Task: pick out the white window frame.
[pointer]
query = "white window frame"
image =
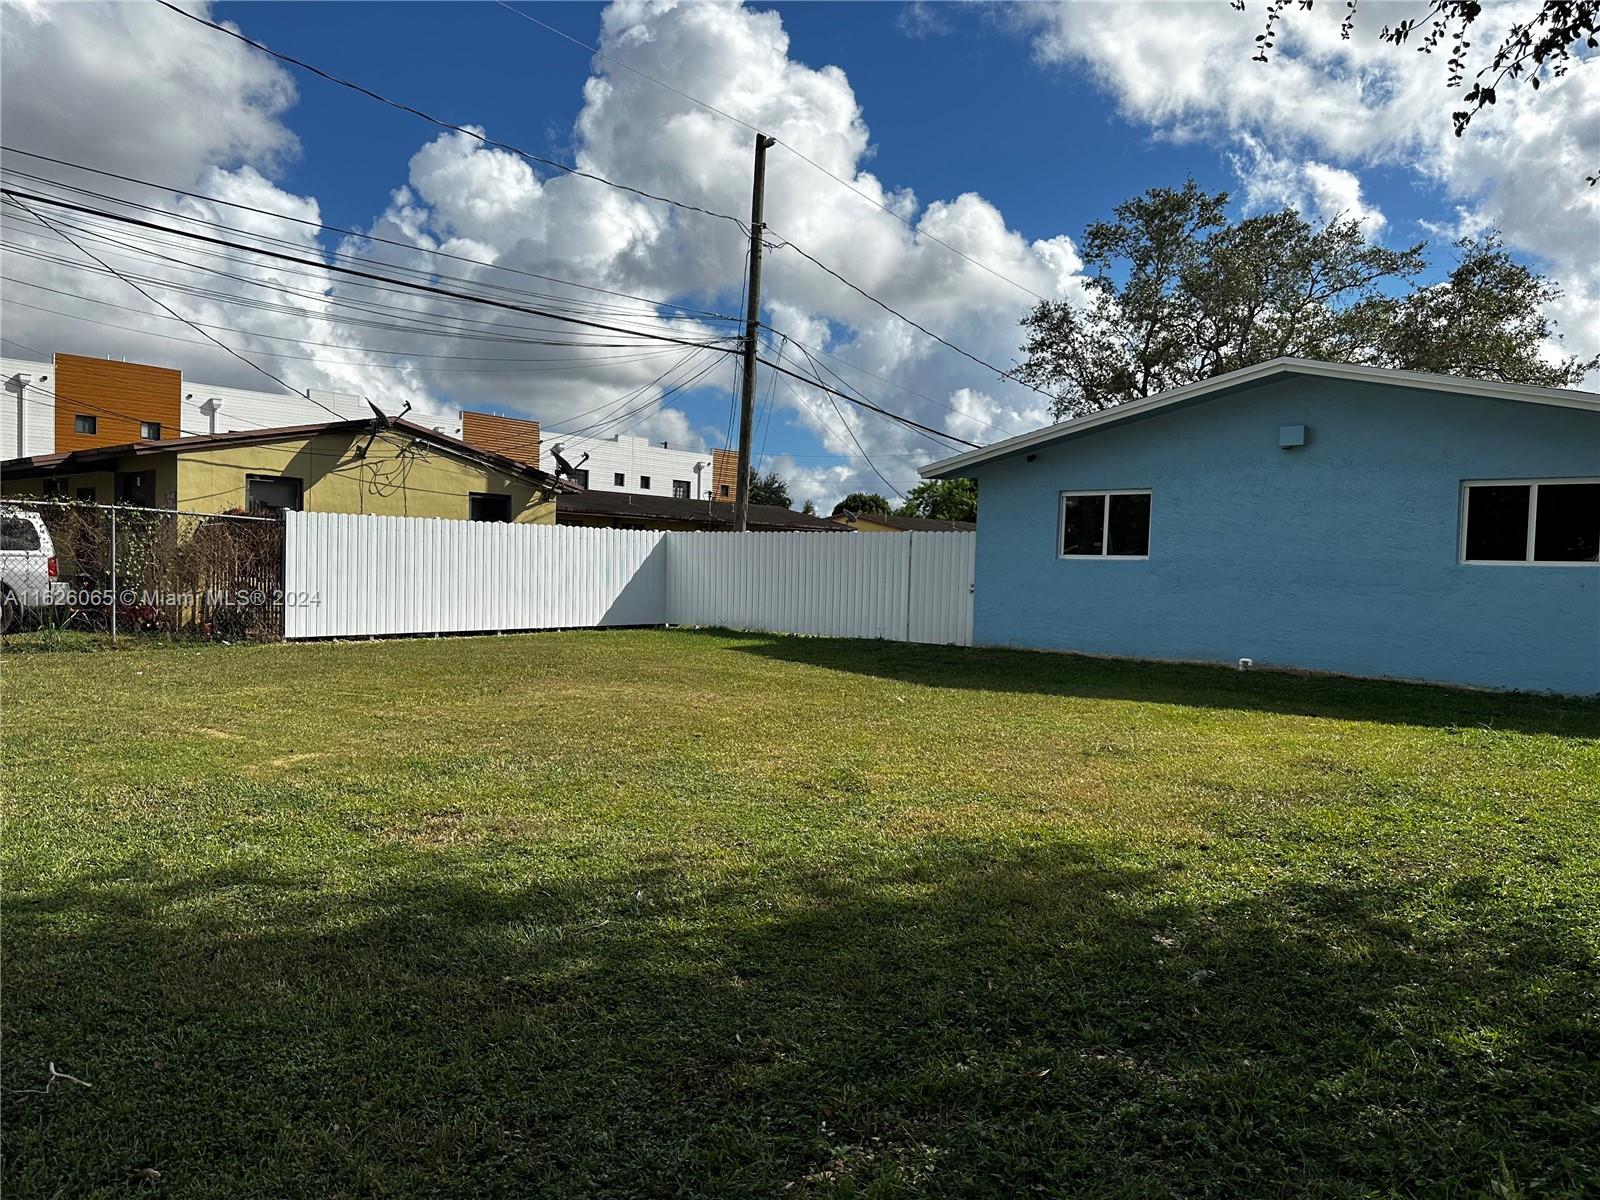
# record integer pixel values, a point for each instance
(1105, 525)
(1533, 521)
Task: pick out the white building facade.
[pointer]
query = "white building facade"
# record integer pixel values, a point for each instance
(630, 464)
(28, 410)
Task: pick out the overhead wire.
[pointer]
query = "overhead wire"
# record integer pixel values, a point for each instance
(344, 270)
(443, 124)
(811, 162)
(12, 196)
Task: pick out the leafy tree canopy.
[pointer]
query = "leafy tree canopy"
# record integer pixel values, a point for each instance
(942, 500)
(770, 488)
(1180, 293)
(860, 502)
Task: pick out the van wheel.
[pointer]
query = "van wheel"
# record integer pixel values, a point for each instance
(10, 609)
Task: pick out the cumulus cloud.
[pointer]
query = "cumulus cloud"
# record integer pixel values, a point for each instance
(459, 196)
(132, 88)
(1325, 109)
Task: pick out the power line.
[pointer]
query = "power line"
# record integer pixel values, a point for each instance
(343, 270)
(368, 307)
(711, 108)
(615, 360)
(13, 197)
(867, 404)
(474, 331)
(338, 229)
(443, 124)
(127, 246)
(852, 434)
(859, 290)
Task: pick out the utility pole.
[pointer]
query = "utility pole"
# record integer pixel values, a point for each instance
(752, 324)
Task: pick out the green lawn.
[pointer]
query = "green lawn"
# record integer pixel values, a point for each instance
(678, 914)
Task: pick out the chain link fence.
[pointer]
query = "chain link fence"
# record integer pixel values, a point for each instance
(128, 571)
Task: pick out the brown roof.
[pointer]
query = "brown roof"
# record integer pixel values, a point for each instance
(909, 524)
(707, 514)
(50, 464)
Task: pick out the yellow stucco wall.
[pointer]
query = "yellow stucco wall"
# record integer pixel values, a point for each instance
(865, 524)
(397, 478)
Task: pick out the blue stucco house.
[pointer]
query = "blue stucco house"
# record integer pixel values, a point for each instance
(1305, 515)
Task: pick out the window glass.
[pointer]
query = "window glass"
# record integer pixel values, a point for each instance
(150, 430)
(680, 489)
(272, 493)
(1497, 522)
(487, 506)
(86, 494)
(17, 534)
(618, 479)
(84, 423)
(723, 489)
(55, 488)
(644, 482)
(1567, 523)
(1129, 526)
(581, 477)
(1083, 523)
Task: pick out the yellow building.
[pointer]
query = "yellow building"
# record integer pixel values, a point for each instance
(393, 468)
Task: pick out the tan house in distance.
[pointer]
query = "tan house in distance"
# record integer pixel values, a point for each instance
(388, 468)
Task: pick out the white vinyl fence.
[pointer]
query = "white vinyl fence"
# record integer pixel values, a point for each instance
(353, 576)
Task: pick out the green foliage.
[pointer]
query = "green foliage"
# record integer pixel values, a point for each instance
(1180, 293)
(863, 502)
(770, 488)
(942, 500)
(525, 917)
(809, 508)
(1487, 321)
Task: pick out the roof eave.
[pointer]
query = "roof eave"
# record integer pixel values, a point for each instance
(1260, 372)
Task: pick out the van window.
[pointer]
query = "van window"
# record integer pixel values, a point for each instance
(18, 534)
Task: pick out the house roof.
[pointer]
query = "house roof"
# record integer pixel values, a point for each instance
(1261, 373)
(909, 524)
(53, 464)
(709, 514)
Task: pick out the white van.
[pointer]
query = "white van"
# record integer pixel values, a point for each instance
(28, 569)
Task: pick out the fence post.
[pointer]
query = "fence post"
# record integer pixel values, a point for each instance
(113, 572)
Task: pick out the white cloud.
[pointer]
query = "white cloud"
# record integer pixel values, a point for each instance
(1320, 192)
(1324, 109)
(460, 196)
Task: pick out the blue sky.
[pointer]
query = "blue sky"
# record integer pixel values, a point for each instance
(1042, 142)
(1050, 114)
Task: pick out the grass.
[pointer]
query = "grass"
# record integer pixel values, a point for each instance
(676, 914)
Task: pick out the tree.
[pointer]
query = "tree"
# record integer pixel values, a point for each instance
(860, 502)
(809, 508)
(942, 500)
(1180, 293)
(1486, 321)
(770, 488)
(1538, 49)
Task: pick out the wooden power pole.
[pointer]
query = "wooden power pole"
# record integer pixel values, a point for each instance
(752, 325)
